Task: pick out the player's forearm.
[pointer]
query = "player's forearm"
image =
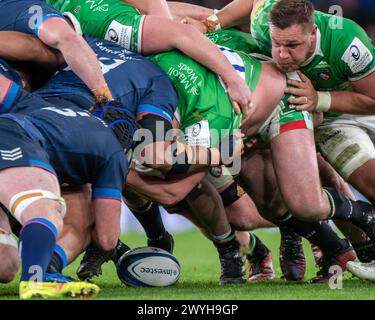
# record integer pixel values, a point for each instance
(166, 192)
(153, 7)
(179, 157)
(235, 13)
(16, 46)
(181, 9)
(352, 103)
(73, 49)
(201, 49)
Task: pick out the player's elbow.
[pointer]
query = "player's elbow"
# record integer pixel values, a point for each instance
(64, 39)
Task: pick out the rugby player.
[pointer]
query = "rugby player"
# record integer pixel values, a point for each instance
(215, 111)
(47, 142)
(146, 34)
(45, 22)
(341, 78)
(147, 97)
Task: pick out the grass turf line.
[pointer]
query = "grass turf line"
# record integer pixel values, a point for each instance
(200, 272)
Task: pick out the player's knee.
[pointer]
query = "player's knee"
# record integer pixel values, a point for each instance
(107, 241)
(10, 263)
(307, 208)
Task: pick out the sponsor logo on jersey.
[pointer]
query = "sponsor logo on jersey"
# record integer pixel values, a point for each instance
(216, 172)
(196, 129)
(76, 10)
(112, 35)
(357, 56)
(327, 137)
(97, 5)
(325, 74)
(119, 33)
(11, 155)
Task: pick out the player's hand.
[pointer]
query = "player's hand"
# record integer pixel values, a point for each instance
(196, 23)
(306, 97)
(240, 96)
(102, 94)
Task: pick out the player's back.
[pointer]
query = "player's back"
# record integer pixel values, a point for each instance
(128, 75)
(77, 143)
(200, 92)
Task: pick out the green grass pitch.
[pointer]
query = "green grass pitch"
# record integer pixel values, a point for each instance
(200, 274)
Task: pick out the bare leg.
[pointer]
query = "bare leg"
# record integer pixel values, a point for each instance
(9, 258)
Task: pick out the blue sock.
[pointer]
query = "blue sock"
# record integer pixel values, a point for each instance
(59, 260)
(37, 242)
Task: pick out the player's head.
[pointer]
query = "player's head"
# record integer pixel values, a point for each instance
(293, 33)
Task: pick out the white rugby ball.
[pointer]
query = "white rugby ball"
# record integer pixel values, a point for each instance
(148, 267)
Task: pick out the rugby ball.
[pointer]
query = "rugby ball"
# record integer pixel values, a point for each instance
(148, 267)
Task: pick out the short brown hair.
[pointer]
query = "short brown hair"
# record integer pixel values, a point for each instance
(286, 13)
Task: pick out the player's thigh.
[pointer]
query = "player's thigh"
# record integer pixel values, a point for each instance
(295, 163)
(258, 179)
(345, 145)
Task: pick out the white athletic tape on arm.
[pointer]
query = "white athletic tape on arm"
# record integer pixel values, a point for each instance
(22, 200)
(8, 239)
(324, 101)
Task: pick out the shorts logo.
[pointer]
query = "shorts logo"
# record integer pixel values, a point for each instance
(11, 155)
(112, 35)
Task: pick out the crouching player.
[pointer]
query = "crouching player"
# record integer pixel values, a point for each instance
(43, 146)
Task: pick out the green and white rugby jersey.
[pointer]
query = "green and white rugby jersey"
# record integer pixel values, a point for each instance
(344, 51)
(202, 97)
(112, 20)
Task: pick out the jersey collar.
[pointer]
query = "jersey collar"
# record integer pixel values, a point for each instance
(318, 49)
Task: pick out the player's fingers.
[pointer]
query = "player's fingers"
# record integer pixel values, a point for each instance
(295, 83)
(236, 107)
(299, 100)
(295, 91)
(302, 76)
(302, 107)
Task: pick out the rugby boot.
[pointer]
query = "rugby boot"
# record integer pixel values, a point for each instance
(58, 278)
(95, 257)
(292, 258)
(232, 267)
(317, 254)
(261, 269)
(365, 251)
(51, 290)
(259, 262)
(367, 220)
(364, 271)
(333, 263)
(165, 242)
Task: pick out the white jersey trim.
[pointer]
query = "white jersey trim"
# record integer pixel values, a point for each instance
(363, 76)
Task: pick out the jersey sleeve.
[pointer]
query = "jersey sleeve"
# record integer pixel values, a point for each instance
(160, 99)
(14, 95)
(355, 51)
(110, 177)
